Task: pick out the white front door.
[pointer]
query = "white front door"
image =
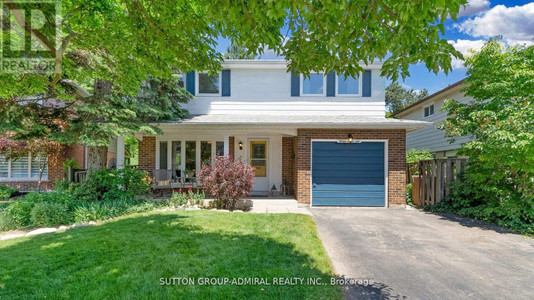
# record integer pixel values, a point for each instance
(258, 156)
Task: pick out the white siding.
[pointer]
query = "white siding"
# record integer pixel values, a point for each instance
(268, 91)
(431, 137)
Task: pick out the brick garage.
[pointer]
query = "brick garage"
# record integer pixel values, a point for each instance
(396, 159)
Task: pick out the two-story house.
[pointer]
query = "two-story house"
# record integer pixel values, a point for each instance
(430, 109)
(324, 135)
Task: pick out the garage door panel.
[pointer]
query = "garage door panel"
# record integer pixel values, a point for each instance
(350, 153)
(346, 167)
(350, 188)
(331, 159)
(348, 202)
(323, 174)
(348, 174)
(354, 181)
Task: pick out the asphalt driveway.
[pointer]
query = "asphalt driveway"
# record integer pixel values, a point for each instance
(417, 255)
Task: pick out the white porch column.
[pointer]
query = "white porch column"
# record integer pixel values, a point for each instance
(120, 152)
(226, 145)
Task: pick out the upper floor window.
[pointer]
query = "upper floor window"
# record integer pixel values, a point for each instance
(428, 110)
(314, 85)
(208, 84)
(348, 86)
(22, 168)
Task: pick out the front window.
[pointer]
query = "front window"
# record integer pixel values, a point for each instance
(208, 84)
(23, 168)
(348, 86)
(313, 85)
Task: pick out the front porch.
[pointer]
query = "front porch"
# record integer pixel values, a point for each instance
(174, 157)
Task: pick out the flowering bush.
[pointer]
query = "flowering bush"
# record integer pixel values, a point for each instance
(228, 181)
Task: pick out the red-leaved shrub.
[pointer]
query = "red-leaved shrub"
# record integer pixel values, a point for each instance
(227, 181)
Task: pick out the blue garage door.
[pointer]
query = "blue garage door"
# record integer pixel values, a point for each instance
(348, 174)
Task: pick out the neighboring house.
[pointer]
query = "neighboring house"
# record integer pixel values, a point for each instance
(429, 109)
(324, 136)
(23, 173)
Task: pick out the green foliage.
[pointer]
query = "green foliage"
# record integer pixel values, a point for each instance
(472, 200)
(499, 122)
(187, 199)
(70, 163)
(16, 215)
(50, 214)
(409, 199)
(7, 191)
(111, 184)
(131, 150)
(414, 155)
(397, 97)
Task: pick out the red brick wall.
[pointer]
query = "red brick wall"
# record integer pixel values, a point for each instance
(231, 147)
(147, 154)
(396, 159)
(288, 160)
(77, 152)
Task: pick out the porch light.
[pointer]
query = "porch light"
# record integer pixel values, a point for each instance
(273, 191)
(350, 137)
(240, 145)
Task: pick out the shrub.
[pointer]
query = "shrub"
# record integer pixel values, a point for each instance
(409, 199)
(50, 214)
(187, 199)
(469, 199)
(229, 181)
(7, 191)
(96, 211)
(16, 215)
(124, 184)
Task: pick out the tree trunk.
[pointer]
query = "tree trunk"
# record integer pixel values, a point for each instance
(96, 158)
(42, 167)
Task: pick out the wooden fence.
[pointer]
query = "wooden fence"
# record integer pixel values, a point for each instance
(434, 179)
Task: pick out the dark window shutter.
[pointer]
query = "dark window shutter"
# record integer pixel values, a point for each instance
(225, 91)
(190, 82)
(366, 83)
(295, 85)
(331, 84)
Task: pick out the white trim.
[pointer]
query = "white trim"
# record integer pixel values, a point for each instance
(312, 95)
(349, 95)
(386, 173)
(197, 82)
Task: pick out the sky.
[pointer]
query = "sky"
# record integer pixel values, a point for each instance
(476, 23)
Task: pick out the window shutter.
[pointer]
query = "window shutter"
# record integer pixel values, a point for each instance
(331, 84)
(366, 83)
(225, 91)
(295, 85)
(190, 82)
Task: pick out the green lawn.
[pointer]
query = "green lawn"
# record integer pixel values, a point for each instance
(127, 257)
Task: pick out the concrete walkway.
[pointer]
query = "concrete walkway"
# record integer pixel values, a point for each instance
(413, 254)
(276, 206)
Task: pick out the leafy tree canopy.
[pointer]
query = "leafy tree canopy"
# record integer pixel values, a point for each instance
(500, 121)
(127, 43)
(398, 97)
